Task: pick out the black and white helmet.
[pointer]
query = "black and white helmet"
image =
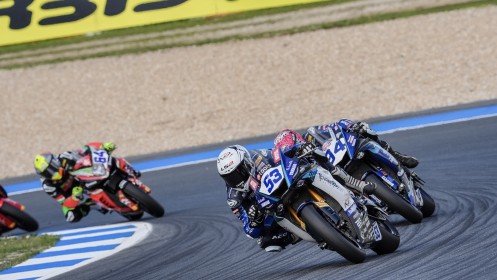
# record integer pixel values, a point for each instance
(234, 165)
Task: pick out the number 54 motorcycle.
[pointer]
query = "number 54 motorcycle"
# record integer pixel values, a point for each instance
(398, 190)
(306, 200)
(12, 215)
(112, 186)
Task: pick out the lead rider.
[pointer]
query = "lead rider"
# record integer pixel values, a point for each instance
(317, 135)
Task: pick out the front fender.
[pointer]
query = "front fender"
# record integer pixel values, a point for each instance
(377, 152)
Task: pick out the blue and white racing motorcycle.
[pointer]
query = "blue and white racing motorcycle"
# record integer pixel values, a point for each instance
(306, 200)
(399, 190)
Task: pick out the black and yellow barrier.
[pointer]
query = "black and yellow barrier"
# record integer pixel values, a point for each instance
(24, 21)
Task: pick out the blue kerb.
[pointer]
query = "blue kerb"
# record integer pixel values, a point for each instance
(94, 238)
(93, 231)
(32, 267)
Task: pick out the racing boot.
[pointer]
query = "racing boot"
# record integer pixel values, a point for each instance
(277, 241)
(407, 161)
(353, 183)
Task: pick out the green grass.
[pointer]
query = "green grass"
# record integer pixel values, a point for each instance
(15, 250)
(206, 21)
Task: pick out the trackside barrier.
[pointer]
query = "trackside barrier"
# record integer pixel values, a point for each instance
(24, 21)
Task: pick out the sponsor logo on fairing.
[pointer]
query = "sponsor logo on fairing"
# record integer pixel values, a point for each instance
(264, 152)
(253, 184)
(326, 145)
(328, 181)
(263, 202)
(276, 155)
(352, 140)
(232, 203)
(385, 179)
(263, 169)
(292, 169)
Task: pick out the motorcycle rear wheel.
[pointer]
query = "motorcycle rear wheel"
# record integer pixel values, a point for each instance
(22, 219)
(148, 203)
(394, 201)
(334, 239)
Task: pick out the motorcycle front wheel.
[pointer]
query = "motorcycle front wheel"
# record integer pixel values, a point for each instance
(148, 203)
(390, 238)
(334, 239)
(428, 204)
(22, 219)
(394, 201)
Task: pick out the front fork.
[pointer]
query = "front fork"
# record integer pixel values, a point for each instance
(320, 203)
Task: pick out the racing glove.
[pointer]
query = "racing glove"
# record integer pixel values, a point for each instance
(75, 215)
(363, 128)
(255, 216)
(305, 149)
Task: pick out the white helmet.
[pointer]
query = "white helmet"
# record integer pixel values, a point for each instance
(234, 165)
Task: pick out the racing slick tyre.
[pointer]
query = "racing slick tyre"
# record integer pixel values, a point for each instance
(143, 199)
(394, 201)
(132, 216)
(22, 219)
(390, 238)
(428, 204)
(333, 238)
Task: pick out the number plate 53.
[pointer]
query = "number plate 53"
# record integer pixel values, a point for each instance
(271, 180)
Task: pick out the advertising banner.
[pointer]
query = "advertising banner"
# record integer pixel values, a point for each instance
(33, 20)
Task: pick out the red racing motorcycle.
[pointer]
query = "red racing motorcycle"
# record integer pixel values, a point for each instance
(112, 185)
(12, 215)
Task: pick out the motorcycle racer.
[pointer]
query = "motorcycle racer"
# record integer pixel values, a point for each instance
(318, 134)
(241, 171)
(65, 189)
(290, 141)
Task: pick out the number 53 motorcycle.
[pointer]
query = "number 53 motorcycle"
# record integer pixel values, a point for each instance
(306, 200)
(12, 215)
(112, 186)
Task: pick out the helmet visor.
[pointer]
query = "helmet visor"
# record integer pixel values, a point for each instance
(237, 178)
(53, 171)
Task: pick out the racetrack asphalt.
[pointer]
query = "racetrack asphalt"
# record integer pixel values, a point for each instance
(199, 238)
